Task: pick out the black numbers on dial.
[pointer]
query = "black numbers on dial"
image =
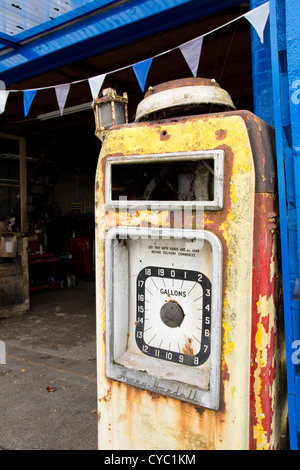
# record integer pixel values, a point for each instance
(172, 315)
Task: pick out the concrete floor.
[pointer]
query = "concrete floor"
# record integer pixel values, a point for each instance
(48, 395)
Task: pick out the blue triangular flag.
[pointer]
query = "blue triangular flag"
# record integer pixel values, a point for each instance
(28, 96)
(141, 70)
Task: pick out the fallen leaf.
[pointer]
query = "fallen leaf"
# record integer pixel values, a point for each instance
(50, 389)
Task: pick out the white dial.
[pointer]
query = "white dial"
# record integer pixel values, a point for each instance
(173, 314)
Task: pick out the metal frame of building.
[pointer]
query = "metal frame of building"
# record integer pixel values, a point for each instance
(105, 26)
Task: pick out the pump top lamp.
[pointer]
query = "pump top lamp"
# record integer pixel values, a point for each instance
(110, 109)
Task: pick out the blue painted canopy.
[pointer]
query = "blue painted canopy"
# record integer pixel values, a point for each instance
(37, 36)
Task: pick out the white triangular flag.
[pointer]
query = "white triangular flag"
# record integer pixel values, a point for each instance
(61, 95)
(3, 98)
(191, 52)
(258, 18)
(96, 84)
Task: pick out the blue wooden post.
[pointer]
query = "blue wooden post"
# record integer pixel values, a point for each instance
(262, 72)
(293, 83)
(285, 61)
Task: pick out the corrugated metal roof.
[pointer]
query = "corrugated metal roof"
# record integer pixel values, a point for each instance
(17, 16)
(24, 20)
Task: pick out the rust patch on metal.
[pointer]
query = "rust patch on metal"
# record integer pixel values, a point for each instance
(164, 135)
(221, 134)
(225, 372)
(181, 82)
(188, 349)
(107, 397)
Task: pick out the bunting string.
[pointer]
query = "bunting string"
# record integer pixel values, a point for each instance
(190, 50)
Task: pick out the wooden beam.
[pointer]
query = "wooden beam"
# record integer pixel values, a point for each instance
(23, 179)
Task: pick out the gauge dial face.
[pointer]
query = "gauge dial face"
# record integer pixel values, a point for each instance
(173, 314)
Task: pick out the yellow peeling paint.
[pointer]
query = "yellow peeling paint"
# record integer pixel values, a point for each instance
(228, 345)
(232, 193)
(197, 135)
(258, 430)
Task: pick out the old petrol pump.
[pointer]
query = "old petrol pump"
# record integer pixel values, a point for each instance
(190, 342)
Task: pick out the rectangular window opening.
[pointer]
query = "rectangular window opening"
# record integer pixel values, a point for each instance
(196, 178)
(164, 181)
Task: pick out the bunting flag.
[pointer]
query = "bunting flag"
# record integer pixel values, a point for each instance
(62, 92)
(258, 18)
(28, 96)
(141, 70)
(3, 98)
(96, 84)
(191, 52)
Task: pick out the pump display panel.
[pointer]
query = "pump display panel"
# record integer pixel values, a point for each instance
(169, 180)
(163, 311)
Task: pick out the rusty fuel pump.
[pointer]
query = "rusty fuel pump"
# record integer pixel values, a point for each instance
(190, 344)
